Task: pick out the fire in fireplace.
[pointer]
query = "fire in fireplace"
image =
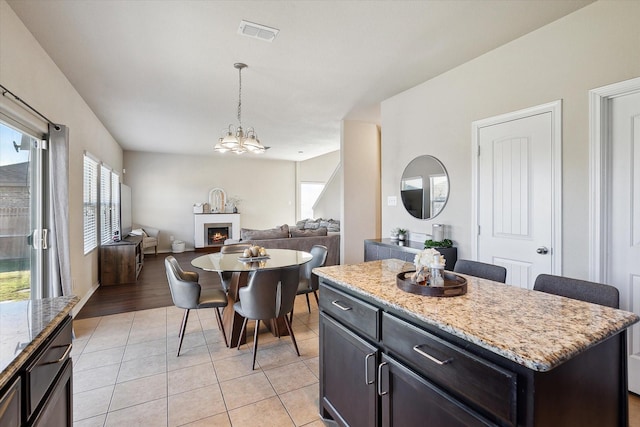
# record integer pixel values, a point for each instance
(216, 234)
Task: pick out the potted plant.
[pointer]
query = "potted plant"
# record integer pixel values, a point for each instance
(402, 233)
(446, 243)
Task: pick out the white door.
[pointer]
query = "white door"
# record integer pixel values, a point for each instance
(624, 227)
(517, 203)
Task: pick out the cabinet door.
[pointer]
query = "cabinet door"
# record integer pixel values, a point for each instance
(10, 406)
(347, 370)
(410, 400)
(57, 410)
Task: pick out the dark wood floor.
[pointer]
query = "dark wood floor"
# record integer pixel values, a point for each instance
(151, 290)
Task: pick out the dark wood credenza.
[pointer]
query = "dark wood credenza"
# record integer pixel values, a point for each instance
(376, 249)
(121, 262)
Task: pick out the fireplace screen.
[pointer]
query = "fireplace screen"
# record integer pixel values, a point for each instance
(216, 234)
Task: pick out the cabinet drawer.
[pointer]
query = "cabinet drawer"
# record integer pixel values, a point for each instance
(42, 372)
(474, 380)
(350, 311)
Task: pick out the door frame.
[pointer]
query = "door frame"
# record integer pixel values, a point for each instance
(600, 147)
(555, 108)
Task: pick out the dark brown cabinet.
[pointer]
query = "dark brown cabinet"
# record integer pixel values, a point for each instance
(121, 262)
(348, 388)
(40, 394)
(360, 385)
(410, 400)
(11, 406)
(384, 366)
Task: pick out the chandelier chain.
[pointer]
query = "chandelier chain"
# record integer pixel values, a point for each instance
(240, 96)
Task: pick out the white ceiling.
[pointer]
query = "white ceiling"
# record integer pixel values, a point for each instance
(159, 74)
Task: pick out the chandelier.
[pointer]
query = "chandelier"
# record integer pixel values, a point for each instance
(236, 139)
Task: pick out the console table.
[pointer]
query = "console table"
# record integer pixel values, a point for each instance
(375, 249)
(121, 262)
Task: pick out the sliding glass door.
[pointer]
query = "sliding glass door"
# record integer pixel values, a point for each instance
(22, 214)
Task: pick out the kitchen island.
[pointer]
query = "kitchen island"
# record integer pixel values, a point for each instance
(498, 355)
(35, 367)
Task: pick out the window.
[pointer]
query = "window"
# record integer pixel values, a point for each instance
(90, 204)
(109, 204)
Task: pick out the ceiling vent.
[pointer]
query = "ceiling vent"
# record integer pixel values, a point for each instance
(257, 31)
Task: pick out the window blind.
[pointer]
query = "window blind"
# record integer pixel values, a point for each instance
(115, 202)
(90, 203)
(105, 205)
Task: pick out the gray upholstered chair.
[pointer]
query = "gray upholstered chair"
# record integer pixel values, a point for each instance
(308, 281)
(493, 272)
(225, 276)
(187, 294)
(269, 294)
(596, 293)
(150, 237)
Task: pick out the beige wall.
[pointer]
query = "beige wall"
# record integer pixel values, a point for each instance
(360, 160)
(595, 46)
(321, 169)
(27, 71)
(329, 204)
(164, 188)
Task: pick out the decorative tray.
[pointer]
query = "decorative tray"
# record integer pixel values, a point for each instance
(253, 258)
(454, 285)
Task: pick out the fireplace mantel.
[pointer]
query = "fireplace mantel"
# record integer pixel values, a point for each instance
(222, 218)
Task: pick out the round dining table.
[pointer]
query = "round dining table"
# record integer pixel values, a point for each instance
(240, 268)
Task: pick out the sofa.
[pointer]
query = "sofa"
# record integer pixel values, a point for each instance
(283, 237)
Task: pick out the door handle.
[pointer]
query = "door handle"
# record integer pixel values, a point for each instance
(542, 250)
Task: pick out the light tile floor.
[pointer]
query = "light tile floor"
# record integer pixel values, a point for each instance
(126, 372)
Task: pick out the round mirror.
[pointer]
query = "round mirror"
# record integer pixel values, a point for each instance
(424, 187)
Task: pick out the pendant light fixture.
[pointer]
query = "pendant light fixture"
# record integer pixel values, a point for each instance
(235, 139)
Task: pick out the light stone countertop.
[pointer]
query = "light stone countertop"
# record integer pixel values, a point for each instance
(533, 329)
(24, 325)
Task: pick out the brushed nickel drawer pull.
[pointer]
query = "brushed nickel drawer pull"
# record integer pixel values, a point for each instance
(366, 369)
(380, 392)
(340, 306)
(64, 356)
(416, 348)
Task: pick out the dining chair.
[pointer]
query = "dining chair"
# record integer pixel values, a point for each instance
(187, 294)
(269, 294)
(225, 276)
(497, 273)
(596, 293)
(308, 282)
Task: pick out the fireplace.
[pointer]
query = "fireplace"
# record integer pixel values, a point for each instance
(211, 230)
(215, 234)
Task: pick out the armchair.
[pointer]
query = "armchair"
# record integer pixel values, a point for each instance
(150, 237)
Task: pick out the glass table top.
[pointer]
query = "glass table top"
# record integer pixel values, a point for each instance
(276, 258)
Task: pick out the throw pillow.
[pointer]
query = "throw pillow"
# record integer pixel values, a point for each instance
(312, 224)
(273, 233)
(334, 225)
(308, 232)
